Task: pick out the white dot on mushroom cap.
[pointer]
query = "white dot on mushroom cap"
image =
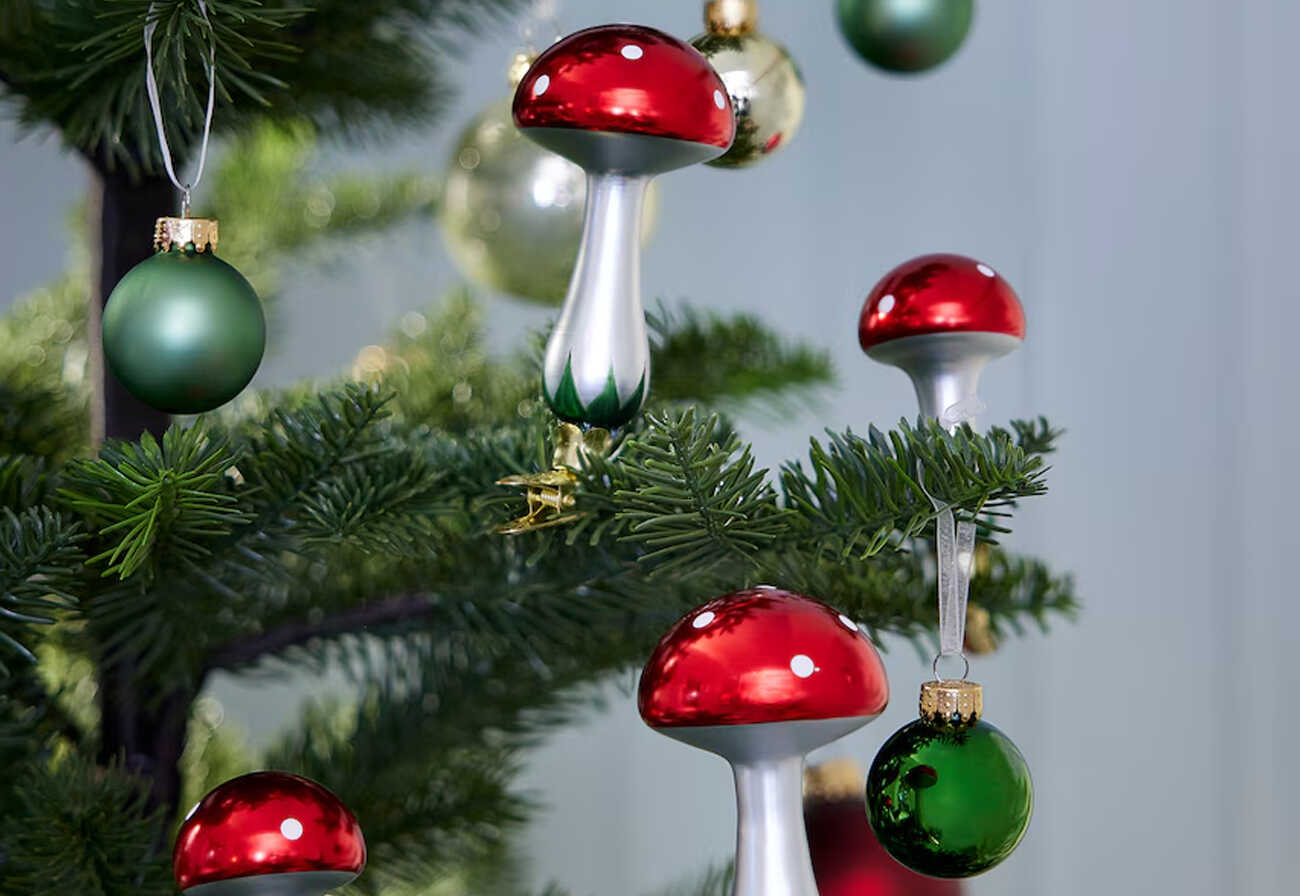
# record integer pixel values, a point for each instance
(802, 665)
(632, 51)
(291, 828)
(886, 304)
(985, 270)
(719, 100)
(704, 619)
(848, 623)
(540, 85)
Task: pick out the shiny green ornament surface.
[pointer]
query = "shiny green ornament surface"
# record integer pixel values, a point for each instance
(766, 90)
(511, 211)
(905, 35)
(949, 801)
(184, 331)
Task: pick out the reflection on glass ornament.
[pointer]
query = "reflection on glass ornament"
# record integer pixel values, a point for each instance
(625, 103)
(511, 212)
(941, 318)
(905, 35)
(761, 677)
(765, 85)
(268, 834)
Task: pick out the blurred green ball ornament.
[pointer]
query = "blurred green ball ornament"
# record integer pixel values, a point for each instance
(183, 331)
(766, 87)
(905, 35)
(949, 795)
(511, 212)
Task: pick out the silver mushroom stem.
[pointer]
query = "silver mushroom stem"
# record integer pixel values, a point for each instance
(601, 334)
(771, 844)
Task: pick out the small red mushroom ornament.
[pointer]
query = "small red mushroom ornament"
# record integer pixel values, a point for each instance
(268, 834)
(942, 318)
(761, 677)
(625, 103)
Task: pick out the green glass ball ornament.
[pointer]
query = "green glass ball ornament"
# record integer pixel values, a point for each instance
(949, 795)
(766, 87)
(183, 331)
(905, 35)
(511, 211)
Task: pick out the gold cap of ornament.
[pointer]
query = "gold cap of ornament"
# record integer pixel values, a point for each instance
(952, 702)
(731, 18)
(519, 67)
(180, 232)
(834, 780)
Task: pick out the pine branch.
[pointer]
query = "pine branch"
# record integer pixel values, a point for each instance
(39, 562)
(689, 500)
(345, 66)
(153, 503)
(73, 827)
(748, 362)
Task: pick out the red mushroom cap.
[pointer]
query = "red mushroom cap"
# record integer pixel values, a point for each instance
(626, 79)
(762, 655)
(940, 293)
(266, 823)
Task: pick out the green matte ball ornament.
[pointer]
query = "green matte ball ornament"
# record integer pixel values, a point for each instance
(184, 331)
(949, 795)
(905, 35)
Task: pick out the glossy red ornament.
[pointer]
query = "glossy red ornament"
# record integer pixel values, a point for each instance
(758, 656)
(267, 824)
(626, 79)
(940, 293)
(847, 858)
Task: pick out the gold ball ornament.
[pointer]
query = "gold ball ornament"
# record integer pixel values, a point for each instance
(766, 87)
(511, 212)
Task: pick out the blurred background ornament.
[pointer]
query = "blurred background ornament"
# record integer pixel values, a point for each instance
(847, 858)
(511, 211)
(761, 677)
(765, 85)
(183, 331)
(626, 103)
(268, 834)
(905, 35)
(949, 795)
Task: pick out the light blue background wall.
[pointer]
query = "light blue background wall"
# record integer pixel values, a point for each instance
(1130, 168)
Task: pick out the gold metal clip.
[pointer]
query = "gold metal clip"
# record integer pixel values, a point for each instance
(550, 494)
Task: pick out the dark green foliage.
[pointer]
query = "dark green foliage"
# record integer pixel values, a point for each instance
(79, 65)
(75, 827)
(748, 363)
(39, 562)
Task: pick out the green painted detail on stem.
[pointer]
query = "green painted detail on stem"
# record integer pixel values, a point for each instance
(604, 410)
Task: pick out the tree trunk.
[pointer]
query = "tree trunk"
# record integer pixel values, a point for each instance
(141, 722)
(123, 213)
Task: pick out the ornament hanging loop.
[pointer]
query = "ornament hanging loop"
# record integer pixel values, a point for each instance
(955, 543)
(155, 104)
(965, 671)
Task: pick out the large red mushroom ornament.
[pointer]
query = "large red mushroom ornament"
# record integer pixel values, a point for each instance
(941, 318)
(268, 834)
(761, 677)
(625, 103)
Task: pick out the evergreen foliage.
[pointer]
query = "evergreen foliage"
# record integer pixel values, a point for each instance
(350, 525)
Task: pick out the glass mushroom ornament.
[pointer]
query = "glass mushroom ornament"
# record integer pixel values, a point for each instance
(941, 318)
(761, 677)
(268, 834)
(624, 103)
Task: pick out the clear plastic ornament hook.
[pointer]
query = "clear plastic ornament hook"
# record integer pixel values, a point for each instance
(151, 88)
